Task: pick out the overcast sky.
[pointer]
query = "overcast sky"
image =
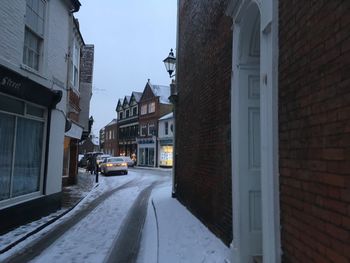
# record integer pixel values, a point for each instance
(131, 40)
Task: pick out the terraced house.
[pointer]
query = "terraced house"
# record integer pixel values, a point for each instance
(35, 38)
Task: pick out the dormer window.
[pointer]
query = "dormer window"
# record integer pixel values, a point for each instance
(127, 112)
(134, 111)
(120, 115)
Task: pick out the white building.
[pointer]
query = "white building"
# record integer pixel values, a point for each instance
(166, 140)
(34, 44)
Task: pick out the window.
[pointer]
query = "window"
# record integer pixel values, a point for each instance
(143, 130)
(120, 115)
(152, 107)
(21, 150)
(127, 113)
(34, 32)
(144, 109)
(75, 65)
(166, 128)
(151, 129)
(134, 111)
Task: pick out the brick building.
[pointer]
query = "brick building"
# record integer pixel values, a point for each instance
(128, 124)
(110, 145)
(154, 104)
(264, 92)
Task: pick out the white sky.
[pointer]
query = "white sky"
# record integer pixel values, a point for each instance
(131, 40)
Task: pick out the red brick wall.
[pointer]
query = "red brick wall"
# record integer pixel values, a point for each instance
(314, 126)
(203, 139)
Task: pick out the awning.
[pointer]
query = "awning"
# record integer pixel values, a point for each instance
(75, 131)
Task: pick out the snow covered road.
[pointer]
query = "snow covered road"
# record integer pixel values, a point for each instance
(88, 232)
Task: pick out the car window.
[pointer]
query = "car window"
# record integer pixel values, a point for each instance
(115, 160)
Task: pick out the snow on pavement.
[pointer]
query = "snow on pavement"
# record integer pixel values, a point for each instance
(105, 184)
(182, 237)
(90, 240)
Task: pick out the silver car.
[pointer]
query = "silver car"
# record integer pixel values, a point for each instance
(114, 164)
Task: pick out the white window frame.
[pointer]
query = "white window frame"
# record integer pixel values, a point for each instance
(141, 127)
(21, 198)
(151, 107)
(144, 109)
(34, 30)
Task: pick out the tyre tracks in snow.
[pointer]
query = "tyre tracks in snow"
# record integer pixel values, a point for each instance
(35, 248)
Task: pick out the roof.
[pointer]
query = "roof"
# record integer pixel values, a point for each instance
(137, 95)
(127, 98)
(167, 116)
(163, 92)
(114, 121)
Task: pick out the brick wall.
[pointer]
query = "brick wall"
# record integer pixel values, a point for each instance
(314, 127)
(203, 138)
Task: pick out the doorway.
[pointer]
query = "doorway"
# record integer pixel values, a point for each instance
(254, 148)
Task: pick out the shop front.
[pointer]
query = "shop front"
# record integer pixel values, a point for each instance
(147, 151)
(166, 153)
(25, 108)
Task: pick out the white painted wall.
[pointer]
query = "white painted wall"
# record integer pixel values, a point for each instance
(161, 128)
(53, 73)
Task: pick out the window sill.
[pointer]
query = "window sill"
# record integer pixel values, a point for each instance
(31, 70)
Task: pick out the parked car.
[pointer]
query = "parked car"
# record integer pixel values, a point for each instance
(128, 160)
(114, 164)
(101, 158)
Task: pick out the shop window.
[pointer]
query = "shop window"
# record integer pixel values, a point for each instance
(21, 154)
(152, 107)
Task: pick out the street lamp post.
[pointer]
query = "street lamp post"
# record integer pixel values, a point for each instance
(170, 65)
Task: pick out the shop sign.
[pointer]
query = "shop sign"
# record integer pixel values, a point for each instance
(10, 83)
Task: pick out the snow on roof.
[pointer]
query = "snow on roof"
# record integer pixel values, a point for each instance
(114, 121)
(167, 116)
(163, 92)
(127, 99)
(137, 95)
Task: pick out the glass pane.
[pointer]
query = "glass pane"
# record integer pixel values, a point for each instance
(11, 105)
(151, 156)
(29, 146)
(36, 61)
(35, 111)
(7, 126)
(30, 58)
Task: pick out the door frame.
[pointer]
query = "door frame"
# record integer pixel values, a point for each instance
(269, 127)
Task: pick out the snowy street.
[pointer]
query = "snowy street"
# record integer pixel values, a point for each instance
(119, 222)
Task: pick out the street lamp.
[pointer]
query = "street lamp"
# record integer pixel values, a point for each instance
(170, 63)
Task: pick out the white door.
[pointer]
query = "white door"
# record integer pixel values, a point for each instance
(250, 162)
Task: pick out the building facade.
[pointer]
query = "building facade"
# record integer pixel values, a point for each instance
(34, 40)
(154, 103)
(128, 122)
(166, 140)
(265, 84)
(111, 138)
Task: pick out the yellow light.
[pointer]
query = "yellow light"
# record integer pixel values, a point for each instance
(109, 165)
(124, 164)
